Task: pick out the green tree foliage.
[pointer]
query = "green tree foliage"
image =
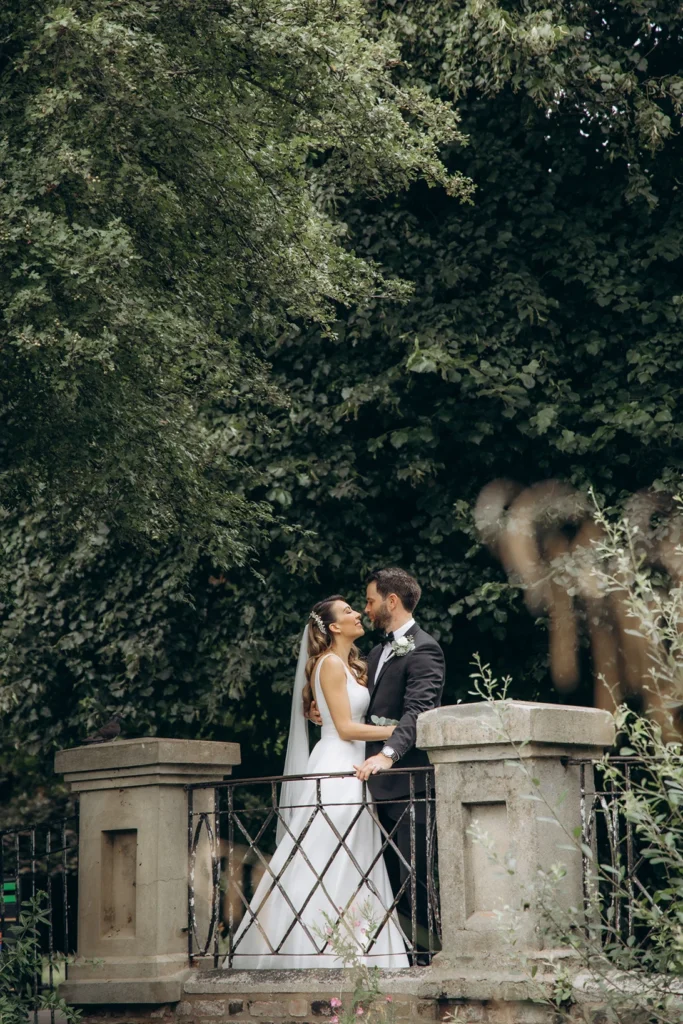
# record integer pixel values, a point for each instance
(542, 339)
(170, 178)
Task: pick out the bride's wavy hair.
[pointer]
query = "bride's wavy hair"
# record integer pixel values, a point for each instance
(320, 639)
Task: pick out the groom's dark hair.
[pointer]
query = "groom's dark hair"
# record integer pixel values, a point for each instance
(399, 582)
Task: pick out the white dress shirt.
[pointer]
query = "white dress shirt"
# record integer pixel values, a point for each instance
(387, 651)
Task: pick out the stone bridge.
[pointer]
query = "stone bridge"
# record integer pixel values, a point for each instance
(492, 762)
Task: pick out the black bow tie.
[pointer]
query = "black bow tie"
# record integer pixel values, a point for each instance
(388, 638)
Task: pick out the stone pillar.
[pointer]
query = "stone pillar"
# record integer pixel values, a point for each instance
(133, 863)
(485, 758)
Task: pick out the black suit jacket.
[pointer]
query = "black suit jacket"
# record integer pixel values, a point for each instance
(406, 686)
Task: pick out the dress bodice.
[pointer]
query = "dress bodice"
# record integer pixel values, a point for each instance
(359, 698)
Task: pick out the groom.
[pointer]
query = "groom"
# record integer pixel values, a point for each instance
(405, 677)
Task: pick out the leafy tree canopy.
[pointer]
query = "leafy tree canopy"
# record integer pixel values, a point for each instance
(542, 338)
(171, 178)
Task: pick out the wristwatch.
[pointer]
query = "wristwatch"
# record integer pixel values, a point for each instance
(390, 752)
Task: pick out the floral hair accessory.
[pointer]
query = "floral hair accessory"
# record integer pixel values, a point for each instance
(318, 621)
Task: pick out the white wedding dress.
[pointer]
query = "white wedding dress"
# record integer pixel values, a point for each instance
(299, 944)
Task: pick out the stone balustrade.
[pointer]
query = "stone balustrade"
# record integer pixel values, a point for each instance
(132, 927)
(486, 757)
(133, 864)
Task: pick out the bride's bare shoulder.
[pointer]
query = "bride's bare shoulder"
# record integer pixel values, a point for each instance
(331, 667)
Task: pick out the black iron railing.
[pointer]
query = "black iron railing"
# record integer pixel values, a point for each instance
(615, 871)
(39, 865)
(232, 837)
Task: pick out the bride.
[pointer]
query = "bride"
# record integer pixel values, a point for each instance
(327, 839)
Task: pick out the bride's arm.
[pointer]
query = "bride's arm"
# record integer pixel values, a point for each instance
(333, 682)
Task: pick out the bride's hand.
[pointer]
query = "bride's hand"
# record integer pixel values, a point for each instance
(372, 765)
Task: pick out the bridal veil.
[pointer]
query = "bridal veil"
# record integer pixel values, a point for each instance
(296, 758)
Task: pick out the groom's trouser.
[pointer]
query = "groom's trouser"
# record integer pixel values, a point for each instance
(398, 867)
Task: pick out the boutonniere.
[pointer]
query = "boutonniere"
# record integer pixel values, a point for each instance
(404, 645)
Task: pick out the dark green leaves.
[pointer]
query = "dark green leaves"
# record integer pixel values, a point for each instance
(171, 175)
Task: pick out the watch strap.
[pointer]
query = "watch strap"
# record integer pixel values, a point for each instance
(389, 751)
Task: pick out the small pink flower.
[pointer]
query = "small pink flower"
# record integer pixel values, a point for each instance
(334, 1020)
(390, 999)
(335, 1003)
(359, 1011)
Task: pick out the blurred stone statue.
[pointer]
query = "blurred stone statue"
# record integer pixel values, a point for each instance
(548, 542)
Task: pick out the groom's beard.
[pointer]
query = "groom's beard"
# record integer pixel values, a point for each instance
(382, 619)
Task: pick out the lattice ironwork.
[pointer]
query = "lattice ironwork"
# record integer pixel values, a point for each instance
(617, 872)
(231, 838)
(37, 859)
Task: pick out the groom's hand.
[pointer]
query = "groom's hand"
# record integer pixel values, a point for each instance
(378, 763)
(310, 707)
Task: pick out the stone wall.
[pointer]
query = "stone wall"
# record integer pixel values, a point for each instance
(210, 1010)
(312, 1009)
(417, 997)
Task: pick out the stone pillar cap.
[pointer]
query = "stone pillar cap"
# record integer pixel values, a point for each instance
(151, 760)
(505, 722)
